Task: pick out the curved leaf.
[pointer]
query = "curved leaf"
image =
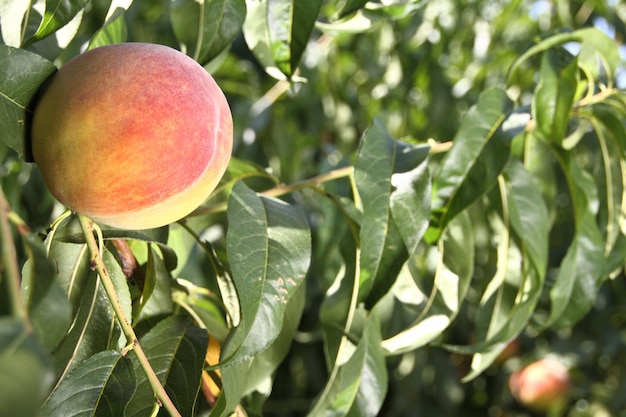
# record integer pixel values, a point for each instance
(57, 14)
(554, 95)
(277, 32)
(21, 75)
(448, 286)
(480, 152)
(360, 385)
(582, 269)
(207, 27)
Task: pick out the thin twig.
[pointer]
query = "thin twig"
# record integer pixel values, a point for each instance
(96, 257)
(11, 266)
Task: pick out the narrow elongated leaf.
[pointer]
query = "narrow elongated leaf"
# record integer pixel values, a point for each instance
(448, 288)
(360, 385)
(480, 152)
(93, 330)
(554, 95)
(21, 75)
(57, 14)
(233, 387)
(594, 44)
(393, 183)
(176, 349)
(507, 306)
(207, 27)
(581, 270)
(156, 298)
(269, 249)
(25, 371)
(100, 386)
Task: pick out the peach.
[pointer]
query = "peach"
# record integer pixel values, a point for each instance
(541, 385)
(133, 135)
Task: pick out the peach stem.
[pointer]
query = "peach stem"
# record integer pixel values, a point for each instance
(88, 230)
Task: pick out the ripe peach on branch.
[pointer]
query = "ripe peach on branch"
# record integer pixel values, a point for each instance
(133, 135)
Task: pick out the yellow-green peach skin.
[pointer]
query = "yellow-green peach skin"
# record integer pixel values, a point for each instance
(133, 135)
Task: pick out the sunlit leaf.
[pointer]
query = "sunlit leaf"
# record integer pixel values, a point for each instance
(207, 27)
(57, 14)
(114, 31)
(594, 44)
(554, 95)
(448, 286)
(359, 386)
(277, 32)
(11, 18)
(479, 154)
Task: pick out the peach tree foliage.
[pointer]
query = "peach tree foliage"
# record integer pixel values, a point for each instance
(368, 257)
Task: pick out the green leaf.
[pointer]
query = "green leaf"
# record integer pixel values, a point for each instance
(269, 250)
(176, 349)
(351, 6)
(156, 299)
(11, 17)
(480, 152)
(100, 386)
(555, 95)
(278, 31)
(581, 270)
(112, 32)
(21, 75)
(359, 386)
(510, 298)
(594, 44)
(207, 27)
(93, 330)
(57, 14)
(47, 303)
(448, 288)
(393, 183)
(71, 232)
(25, 373)
(264, 365)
